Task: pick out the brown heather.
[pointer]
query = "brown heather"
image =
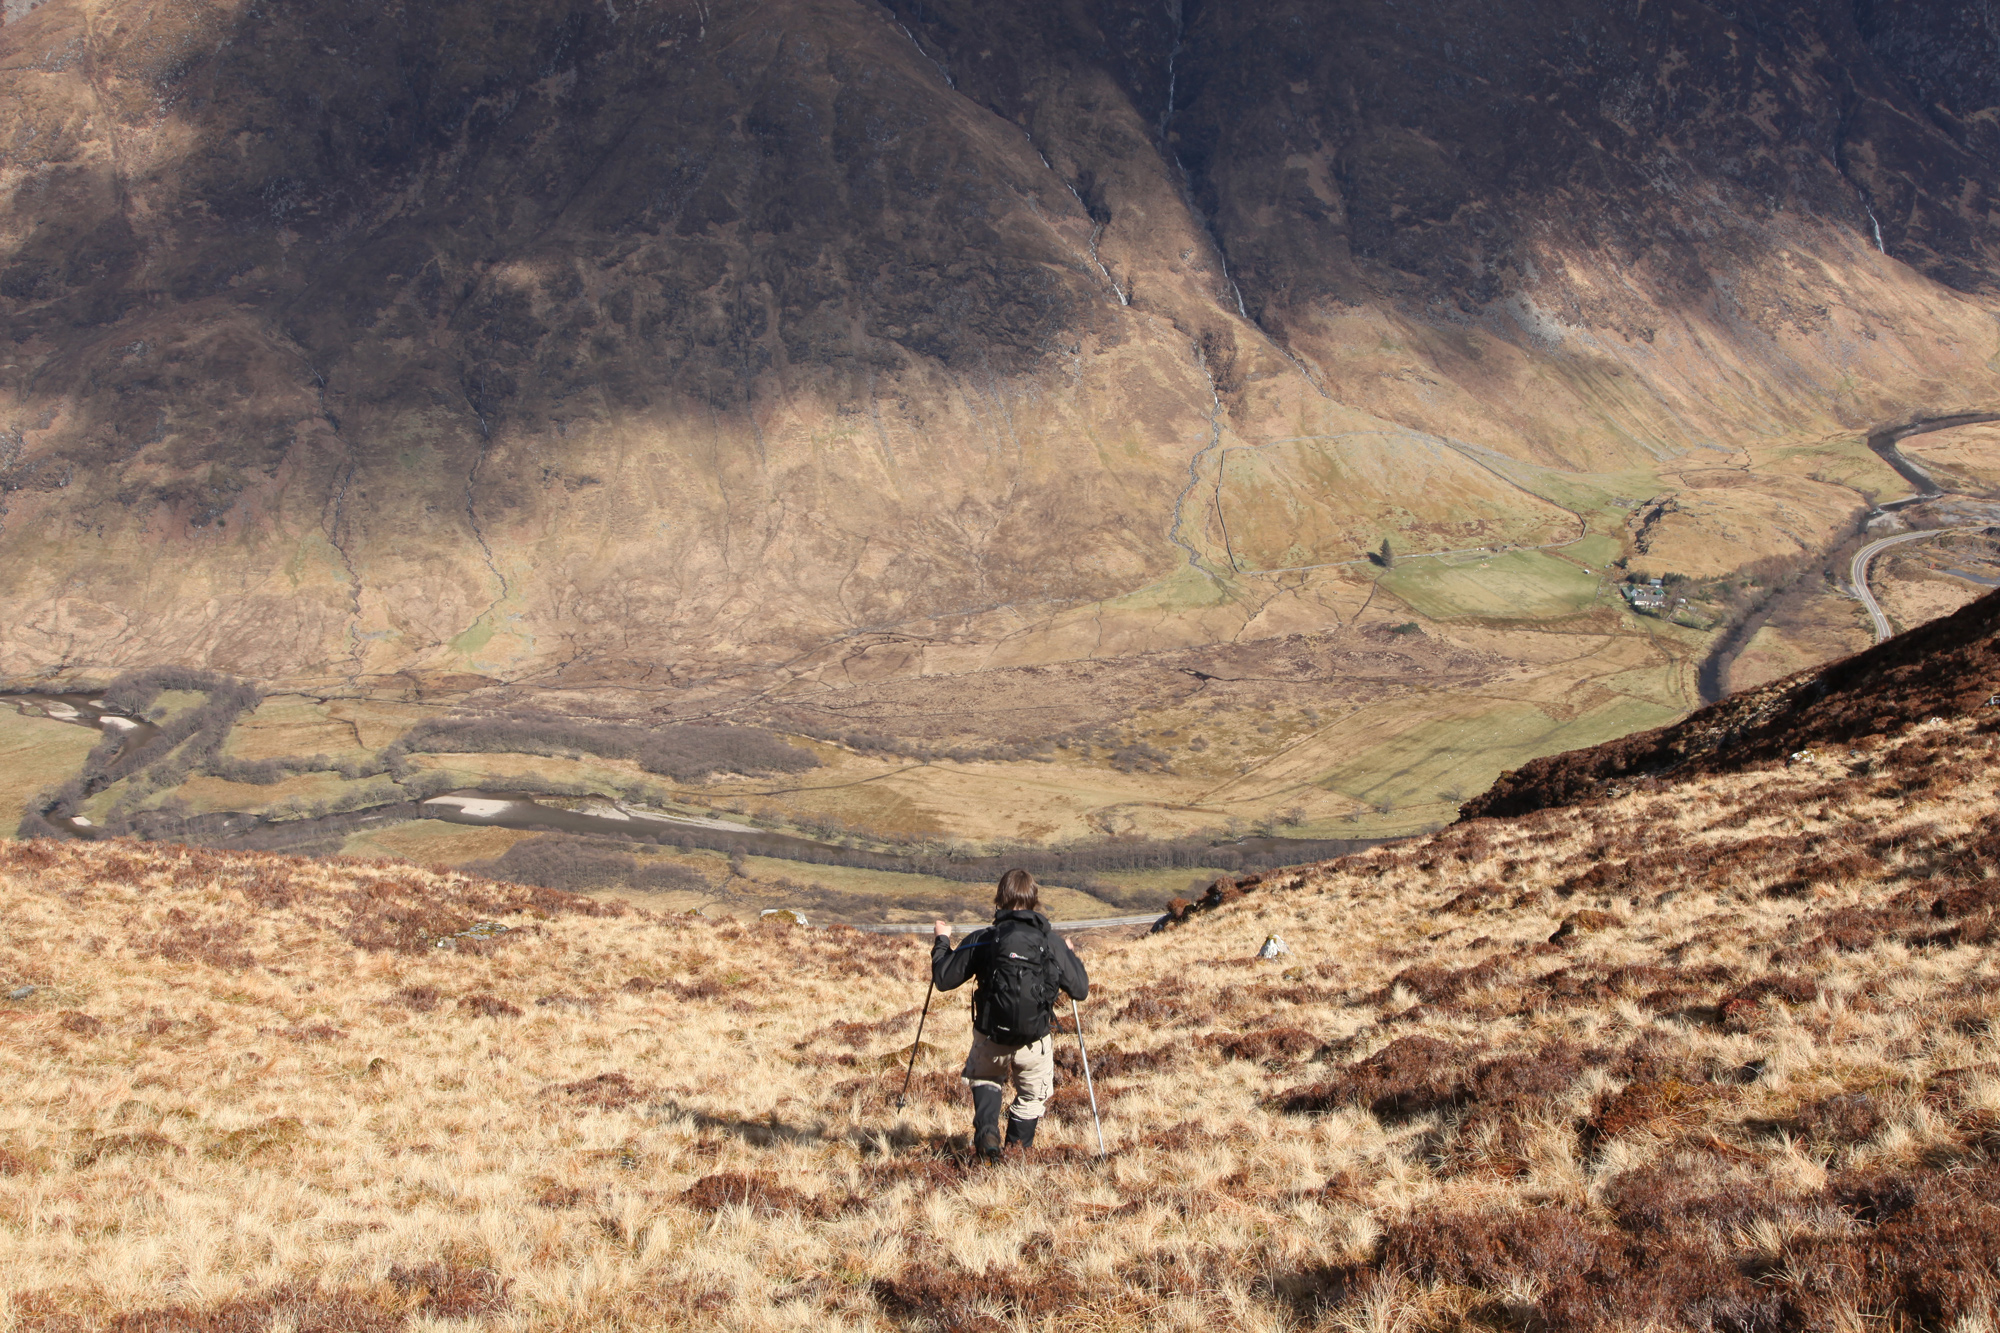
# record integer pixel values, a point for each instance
(1719, 1055)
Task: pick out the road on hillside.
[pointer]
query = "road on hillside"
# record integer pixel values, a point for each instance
(1883, 443)
(1859, 573)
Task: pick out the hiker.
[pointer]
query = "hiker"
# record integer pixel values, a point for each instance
(1021, 964)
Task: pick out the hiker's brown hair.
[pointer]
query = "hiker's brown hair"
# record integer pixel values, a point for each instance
(1018, 892)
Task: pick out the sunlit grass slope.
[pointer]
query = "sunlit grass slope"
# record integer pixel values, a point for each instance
(1721, 1055)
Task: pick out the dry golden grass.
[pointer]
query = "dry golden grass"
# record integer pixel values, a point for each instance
(1752, 1084)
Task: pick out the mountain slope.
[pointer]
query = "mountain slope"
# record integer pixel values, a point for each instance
(599, 343)
(1718, 1057)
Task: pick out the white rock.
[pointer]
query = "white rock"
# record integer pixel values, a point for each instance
(690, 821)
(1273, 947)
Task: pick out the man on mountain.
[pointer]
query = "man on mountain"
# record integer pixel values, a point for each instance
(1021, 965)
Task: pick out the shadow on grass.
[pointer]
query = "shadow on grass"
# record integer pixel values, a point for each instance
(771, 1130)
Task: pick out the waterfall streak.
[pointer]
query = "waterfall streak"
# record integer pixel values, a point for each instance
(949, 82)
(1194, 470)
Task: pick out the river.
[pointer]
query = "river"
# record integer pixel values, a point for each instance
(607, 818)
(522, 810)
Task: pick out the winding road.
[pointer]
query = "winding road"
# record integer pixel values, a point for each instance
(1859, 573)
(1714, 674)
(1883, 443)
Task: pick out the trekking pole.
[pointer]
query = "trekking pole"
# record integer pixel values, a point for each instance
(903, 1096)
(1089, 1087)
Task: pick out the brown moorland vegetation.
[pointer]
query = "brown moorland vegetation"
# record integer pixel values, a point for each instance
(1719, 1055)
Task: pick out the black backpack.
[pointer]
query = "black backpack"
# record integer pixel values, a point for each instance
(1016, 1001)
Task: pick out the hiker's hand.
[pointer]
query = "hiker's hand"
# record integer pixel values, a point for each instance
(941, 928)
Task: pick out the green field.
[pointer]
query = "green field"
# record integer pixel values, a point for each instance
(1465, 756)
(1596, 550)
(1848, 462)
(172, 703)
(1515, 585)
(1185, 881)
(300, 794)
(1596, 496)
(432, 842)
(287, 726)
(36, 753)
(592, 775)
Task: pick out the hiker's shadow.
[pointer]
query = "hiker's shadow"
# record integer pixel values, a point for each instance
(771, 1130)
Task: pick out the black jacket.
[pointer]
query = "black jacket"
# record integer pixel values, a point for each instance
(952, 968)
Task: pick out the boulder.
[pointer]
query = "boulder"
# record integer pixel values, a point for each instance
(1583, 923)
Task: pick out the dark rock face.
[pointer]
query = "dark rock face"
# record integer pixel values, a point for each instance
(1338, 149)
(693, 216)
(715, 328)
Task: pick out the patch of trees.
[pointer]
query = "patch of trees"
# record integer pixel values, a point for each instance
(1140, 757)
(563, 861)
(1009, 750)
(190, 741)
(320, 835)
(683, 753)
(266, 772)
(1068, 864)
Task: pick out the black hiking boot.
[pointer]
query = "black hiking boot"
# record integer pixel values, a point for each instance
(1021, 1133)
(986, 1122)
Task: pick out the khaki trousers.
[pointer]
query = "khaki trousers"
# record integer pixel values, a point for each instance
(1032, 1070)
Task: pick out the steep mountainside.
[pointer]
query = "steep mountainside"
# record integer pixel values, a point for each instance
(606, 339)
(1719, 1056)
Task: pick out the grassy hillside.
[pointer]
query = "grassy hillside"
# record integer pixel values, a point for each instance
(1719, 1056)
